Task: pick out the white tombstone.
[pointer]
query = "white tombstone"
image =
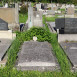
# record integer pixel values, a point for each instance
(59, 11)
(63, 6)
(30, 17)
(67, 6)
(6, 5)
(72, 5)
(38, 6)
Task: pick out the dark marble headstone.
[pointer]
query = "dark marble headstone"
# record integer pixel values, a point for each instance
(42, 6)
(60, 22)
(68, 25)
(3, 25)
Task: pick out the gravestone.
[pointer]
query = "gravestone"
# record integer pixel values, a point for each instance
(50, 12)
(70, 25)
(67, 25)
(42, 6)
(37, 19)
(63, 6)
(6, 5)
(60, 23)
(36, 55)
(34, 18)
(54, 7)
(30, 16)
(38, 6)
(3, 25)
(45, 6)
(70, 11)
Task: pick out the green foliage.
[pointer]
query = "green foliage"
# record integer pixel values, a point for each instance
(23, 17)
(51, 19)
(24, 9)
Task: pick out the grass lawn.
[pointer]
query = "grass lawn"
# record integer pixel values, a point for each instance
(51, 19)
(23, 18)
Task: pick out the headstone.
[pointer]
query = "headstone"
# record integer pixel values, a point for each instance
(63, 6)
(30, 17)
(45, 6)
(6, 5)
(60, 23)
(3, 25)
(37, 19)
(34, 18)
(67, 25)
(16, 13)
(38, 6)
(50, 12)
(70, 25)
(49, 5)
(70, 11)
(42, 6)
(54, 7)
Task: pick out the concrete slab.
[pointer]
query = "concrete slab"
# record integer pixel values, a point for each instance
(71, 51)
(36, 56)
(4, 45)
(51, 26)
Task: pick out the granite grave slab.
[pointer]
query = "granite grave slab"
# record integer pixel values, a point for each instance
(36, 56)
(4, 45)
(71, 51)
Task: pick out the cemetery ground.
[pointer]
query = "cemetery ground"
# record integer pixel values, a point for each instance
(43, 34)
(52, 18)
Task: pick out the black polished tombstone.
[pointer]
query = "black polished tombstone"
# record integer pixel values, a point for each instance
(60, 23)
(66, 25)
(3, 25)
(70, 25)
(42, 6)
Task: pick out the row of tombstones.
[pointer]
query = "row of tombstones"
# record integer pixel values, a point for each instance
(54, 7)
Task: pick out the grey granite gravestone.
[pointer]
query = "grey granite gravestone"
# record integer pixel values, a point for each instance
(50, 12)
(45, 6)
(37, 19)
(34, 18)
(3, 25)
(30, 16)
(54, 7)
(36, 56)
(70, 10)
(70, 49)
(68, 25)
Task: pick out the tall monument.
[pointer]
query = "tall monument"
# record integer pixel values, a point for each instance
(30, 16)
